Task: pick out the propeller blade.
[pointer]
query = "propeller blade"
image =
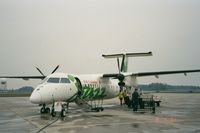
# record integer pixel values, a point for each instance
(118, 65)
(122, 65)
(55, 69)
(40, 71)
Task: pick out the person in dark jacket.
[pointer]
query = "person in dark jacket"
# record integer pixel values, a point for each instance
(135, 99)
(127, 100)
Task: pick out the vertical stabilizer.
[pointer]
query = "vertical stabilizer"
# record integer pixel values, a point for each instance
(124, 64)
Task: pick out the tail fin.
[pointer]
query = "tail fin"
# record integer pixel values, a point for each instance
(124, 63)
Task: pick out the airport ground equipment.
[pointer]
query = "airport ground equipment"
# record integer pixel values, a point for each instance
(146, 101)
(93, 104)
(157, 100)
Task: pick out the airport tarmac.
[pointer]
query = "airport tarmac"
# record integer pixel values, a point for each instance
(179, 113)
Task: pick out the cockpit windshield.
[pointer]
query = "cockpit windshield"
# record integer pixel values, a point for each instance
(58, 80)
(64, 80)
(53, 80)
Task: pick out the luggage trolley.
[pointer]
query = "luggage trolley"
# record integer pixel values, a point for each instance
(146, 101)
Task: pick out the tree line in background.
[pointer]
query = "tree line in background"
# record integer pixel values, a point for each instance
(25, 89)
(148, 87)
(166, 87)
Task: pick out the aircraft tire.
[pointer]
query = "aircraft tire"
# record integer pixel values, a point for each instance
(42, 110)
(97, 109)
(53, 113)
(158, 104)
(47, 110)
(63, 113)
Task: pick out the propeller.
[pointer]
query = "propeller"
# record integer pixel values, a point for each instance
(43, 73)
(120, 76)
(55, 69)
(40, 71)
(118, 65)
(122, 65)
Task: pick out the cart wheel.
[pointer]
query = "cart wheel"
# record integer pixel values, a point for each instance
(158, 104)
(53, 113)
(153, 110)
(63, 113)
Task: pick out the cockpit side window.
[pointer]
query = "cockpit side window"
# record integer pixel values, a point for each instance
(53, 80)
(64, 80)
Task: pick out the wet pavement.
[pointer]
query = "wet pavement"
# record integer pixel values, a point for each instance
(179, 113)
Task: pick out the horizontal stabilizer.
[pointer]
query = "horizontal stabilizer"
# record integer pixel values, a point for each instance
(127, 55)
(124, 61)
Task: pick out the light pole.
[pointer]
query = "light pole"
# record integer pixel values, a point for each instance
(4, 84)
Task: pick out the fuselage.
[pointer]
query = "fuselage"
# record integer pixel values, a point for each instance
(67, 87)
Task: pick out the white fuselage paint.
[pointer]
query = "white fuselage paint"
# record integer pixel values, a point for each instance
(47, 93)
(96, 81)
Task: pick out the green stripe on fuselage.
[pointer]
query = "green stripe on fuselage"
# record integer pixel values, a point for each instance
(92, 93)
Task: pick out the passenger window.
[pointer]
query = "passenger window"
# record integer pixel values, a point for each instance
(53, 80)
(64, 80)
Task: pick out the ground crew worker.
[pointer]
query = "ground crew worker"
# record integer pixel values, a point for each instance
(124, 96)
(135, 99)
(127, 99)
(120, 95)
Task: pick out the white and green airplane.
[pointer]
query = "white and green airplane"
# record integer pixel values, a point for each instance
(65, 88)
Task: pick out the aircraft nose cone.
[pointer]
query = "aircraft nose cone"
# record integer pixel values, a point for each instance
(36, 97)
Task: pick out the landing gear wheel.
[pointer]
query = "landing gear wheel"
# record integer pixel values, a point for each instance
(42, 110)
(102, 109)
(47, 110)
(153, 110)
(63, 113)
(97, 109)
(158, 104)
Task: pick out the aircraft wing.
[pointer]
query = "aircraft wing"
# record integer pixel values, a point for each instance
(163, 73)
(24, 77)
(142, 74)
(31, 77)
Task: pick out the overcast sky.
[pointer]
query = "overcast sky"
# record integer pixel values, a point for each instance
(75, 33)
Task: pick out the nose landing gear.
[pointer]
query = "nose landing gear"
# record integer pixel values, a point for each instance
(57, 108)
(44, 109)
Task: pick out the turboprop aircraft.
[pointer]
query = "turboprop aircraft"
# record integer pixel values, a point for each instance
(65, 88)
